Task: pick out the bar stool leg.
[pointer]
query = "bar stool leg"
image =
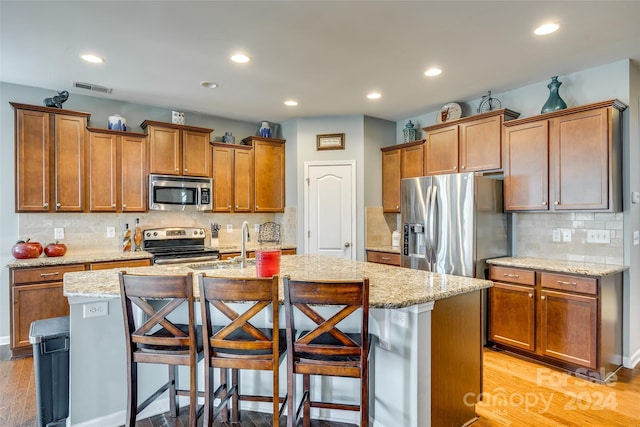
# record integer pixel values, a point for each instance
(306, 396)
(276, 396)
(174, 409)
(235, 380)
(132, 394)
(291, 395)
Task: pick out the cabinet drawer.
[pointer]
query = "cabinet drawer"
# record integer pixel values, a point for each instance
(513, 275)
(383, 258)
(44, 274)
(120, 264)
(585, 285)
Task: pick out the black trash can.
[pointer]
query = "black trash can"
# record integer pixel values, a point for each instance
(50, 339)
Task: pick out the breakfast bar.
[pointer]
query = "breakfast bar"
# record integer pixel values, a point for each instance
(425, 361)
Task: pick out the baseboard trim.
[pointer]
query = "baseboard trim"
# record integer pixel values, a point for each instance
(631, 362)
(4, 340)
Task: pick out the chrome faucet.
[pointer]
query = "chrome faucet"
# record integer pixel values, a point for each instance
(245, 239)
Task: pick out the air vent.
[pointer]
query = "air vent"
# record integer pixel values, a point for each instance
(89, 86)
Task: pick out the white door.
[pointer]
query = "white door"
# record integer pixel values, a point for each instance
(330, 202)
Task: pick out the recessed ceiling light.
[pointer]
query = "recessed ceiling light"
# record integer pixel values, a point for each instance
(209, 85)
(545, 29)
(240, 58)
(431, 72)
(374, 95)
(291, 103)
(95, 59)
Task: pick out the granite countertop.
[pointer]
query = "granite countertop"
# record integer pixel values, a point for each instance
(390, 287)
(560, 266)
(252, 246)
(387, 248)
(78, 258)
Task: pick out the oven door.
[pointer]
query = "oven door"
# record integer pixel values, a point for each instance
(185, 260)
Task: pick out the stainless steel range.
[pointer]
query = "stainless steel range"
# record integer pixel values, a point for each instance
(175, 245)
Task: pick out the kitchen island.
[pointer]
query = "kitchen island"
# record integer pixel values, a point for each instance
(427, 327)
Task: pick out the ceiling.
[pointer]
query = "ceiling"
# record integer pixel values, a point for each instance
(327, 55)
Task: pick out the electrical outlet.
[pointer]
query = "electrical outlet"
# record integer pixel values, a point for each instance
(599, 236)
(95, 309)
(556, 235)
(256, 228)
(636, 238)
(566, 235)
(111, 232)
(399, 318)
(229, 228)
(58, 233)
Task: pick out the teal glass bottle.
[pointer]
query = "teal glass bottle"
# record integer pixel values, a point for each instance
(554, 102)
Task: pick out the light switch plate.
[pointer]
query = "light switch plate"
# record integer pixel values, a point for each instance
(556, 235)
(635, 197)
(111, 232)
(566, 235)
(58, 233)
(229, 228)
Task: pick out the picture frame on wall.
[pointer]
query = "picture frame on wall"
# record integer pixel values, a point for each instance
(332, 141)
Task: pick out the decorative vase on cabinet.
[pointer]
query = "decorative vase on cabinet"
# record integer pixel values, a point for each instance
(554, 102)
(265, 130)
(409, 132)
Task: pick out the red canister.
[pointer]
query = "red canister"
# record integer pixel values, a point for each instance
(267, 262)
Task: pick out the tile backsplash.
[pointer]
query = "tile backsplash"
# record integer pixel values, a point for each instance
(379, 226)
(535, 236)
(88, 232)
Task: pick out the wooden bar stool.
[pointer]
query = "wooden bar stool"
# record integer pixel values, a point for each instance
(159, 340)
(326, 349)
(239, 344)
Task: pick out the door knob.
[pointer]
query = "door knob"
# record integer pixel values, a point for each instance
(347, 244)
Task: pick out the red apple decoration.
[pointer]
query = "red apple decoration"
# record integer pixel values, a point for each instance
(25, 250)
(55, 249)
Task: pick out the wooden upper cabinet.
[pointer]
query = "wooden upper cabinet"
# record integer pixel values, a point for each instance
(441, 155)
(399, 161)
(116, 171)
(269, 168)
(232, 178)
(32, 148)
(49, 151)
(196, 153)
(583, 163)
(469, 144)
(178, 149)
(526, 171)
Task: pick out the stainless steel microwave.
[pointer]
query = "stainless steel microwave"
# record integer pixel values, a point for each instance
(180, 193)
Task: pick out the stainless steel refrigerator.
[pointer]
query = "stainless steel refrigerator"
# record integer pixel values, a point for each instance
(453, 223)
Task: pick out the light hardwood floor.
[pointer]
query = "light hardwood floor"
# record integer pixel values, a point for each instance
(516, 393)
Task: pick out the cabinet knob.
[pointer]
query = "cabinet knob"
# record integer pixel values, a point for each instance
(113, 205)
(257, 207)
(556, 203)
(397, 207)
(543, 297)
(124, 206)
(462, 167)
(58, 205)
(530, 295)
(177, 170)
(544, 203)
(236, 207)
(185, 169)
(455, 167)
(229, 207)
(46, 205)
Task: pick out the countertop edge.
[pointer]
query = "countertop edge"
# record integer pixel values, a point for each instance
(73, 258)
(559, 266)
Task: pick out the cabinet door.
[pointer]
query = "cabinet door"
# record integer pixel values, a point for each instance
(164, 150)
(512, 315)
(243, 181)
(568, 327)
(441, 155)
(391, 160)
(222, 179)
(102, 170)
(580, 160)
(196, 154)
(133, 192)
(526, 177)
(70, 133)
(269, 157)
(480, 145)
(35, 302)
(107, 265)
(412, 164)
(32, 161)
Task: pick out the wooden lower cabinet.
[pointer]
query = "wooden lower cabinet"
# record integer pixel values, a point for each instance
(571, 321)
(36, 293)
(106, 265)
(388, 258)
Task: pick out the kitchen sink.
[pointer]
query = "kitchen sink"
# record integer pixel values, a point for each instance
(216, 265)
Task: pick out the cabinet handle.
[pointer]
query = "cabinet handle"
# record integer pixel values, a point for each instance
(544, 203)
(46, 205)
(257, 207)
(58, 205)
(561, 282)
(177, 170)
(455, 167)
(49, 274)
(515, 276)
(556, 203)
(530, 295)
(397, 207)
(124, 206)
(462, 167)
(236, 207)
(543, 297)
(185, 169)
(113, 205)
(229, 207)
(385, 258)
